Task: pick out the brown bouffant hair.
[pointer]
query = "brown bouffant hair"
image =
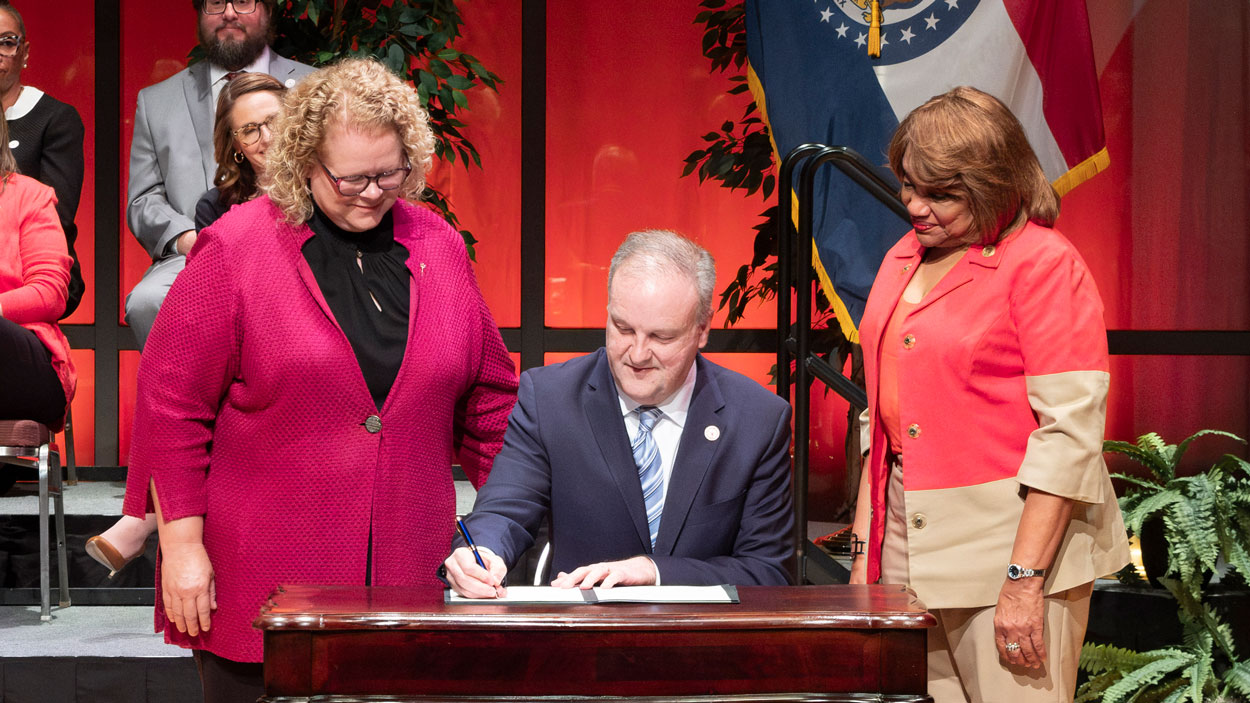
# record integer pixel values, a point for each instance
(967, 142)
(357, 93)
(236, 180)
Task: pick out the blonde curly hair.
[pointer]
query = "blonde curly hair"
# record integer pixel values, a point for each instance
(360, 93)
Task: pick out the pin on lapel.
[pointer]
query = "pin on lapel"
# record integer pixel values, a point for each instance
(290, 82)
(712, 432)
(423, 268)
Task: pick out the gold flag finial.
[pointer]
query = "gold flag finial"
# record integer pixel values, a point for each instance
(874, 30)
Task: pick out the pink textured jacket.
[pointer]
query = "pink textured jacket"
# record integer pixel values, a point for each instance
(34, 268)
(252, 411)
(1002, 386)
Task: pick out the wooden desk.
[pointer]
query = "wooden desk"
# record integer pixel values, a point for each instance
(810, 644)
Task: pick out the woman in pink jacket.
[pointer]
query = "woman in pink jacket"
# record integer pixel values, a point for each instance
(314, 372)
(246, 108)
(986, 362)
(36, 375)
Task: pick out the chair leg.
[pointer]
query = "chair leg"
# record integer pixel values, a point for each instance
(62, 557)
(70, 463)
(45, 577)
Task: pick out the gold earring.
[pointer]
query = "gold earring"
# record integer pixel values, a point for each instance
(238, 158)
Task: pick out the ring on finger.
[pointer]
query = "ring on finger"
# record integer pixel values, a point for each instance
(1013, 646)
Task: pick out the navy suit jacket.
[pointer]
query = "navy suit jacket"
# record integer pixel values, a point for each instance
(566, 458)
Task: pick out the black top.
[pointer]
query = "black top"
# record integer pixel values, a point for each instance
(377, 331)
(47, 144)
(209, 209)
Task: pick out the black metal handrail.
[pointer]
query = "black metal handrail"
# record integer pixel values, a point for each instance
(794, 340)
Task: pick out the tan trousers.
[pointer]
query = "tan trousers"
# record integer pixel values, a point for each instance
(964, 665)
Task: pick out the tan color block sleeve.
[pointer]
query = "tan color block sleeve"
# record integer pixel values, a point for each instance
(1064, 454)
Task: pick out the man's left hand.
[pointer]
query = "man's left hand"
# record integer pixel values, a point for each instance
(637, 571)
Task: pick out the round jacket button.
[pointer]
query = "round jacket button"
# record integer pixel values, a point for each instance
(373, 423)
(913, 430)
(988, 250)
(918, 521)
(909, 341)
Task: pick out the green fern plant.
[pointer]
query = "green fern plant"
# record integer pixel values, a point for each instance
(1206, 518)
(1199, 670)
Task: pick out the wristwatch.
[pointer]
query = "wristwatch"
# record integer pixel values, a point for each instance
(1015, 572)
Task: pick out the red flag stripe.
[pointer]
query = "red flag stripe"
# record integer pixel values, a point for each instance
(1057, 39)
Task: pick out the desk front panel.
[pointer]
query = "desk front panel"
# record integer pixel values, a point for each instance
(775, 645)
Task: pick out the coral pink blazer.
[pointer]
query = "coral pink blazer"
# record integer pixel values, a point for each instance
(34, 269)
(1002, 386)
(252, 411)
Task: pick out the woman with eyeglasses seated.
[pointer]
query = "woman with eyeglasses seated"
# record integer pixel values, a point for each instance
(45, 136)
(246, 109)
(315, 371)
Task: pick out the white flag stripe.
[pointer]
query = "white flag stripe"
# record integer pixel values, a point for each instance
(986, 53)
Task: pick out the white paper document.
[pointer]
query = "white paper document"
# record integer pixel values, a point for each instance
(619, 594)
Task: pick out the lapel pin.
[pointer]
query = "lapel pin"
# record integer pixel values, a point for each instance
(290, 82)
(712, 432)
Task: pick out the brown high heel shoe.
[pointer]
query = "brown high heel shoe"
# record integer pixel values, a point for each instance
(102, 551)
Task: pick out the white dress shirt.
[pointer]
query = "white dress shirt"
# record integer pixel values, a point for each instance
(667, 430)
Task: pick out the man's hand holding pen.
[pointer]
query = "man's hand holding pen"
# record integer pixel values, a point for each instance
(473, 581)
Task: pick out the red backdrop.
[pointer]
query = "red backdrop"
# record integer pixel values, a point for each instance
(62, 64)
(627, 96)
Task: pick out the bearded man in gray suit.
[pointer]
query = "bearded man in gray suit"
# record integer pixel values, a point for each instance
(171, 155)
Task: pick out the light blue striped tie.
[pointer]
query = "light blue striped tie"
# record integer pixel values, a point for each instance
(647, 457)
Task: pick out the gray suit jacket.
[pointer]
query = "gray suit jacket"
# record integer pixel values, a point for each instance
(171, 155)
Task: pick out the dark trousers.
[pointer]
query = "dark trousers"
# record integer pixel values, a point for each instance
(29, 387)
(228, 681)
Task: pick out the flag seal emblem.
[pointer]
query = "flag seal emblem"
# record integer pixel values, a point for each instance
(910, 28)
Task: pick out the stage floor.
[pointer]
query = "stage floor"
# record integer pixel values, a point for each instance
(102, 648)
(83, 631)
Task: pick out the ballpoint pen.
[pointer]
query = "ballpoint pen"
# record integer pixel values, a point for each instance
(464, 532)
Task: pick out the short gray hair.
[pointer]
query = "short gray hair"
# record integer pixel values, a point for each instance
(661, 251)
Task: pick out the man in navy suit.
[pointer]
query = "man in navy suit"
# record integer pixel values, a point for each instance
(710, 446)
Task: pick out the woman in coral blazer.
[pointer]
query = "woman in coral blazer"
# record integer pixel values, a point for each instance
(36, 376)
(986, 361)
(312, 375)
